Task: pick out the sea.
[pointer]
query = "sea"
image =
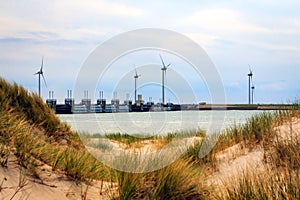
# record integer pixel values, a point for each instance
(157, 123)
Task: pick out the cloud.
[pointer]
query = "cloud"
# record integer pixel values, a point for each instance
(202, 38)
(14, 26)
(273, 32)
(96, 7)
(71, 20)
(222, 21)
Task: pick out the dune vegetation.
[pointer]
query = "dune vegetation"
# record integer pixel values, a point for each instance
(32, 134)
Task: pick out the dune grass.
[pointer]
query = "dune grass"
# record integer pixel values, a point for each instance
(130, 139)
(280, 180)
(31, 130)
(126, 138)
(33, 148)
(281, 177)
(180, 180)
(31, 108)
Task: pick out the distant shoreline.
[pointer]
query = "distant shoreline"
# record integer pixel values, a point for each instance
(113, 108)
(245, 107)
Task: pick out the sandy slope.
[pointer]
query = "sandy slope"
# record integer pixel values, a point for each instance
(238, 159)
(45, 184)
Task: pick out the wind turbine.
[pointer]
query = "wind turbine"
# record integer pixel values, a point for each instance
(250, 80)
(164, 74)
(41, 73)
(136, 76)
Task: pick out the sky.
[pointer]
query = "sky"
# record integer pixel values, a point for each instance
(263, 35)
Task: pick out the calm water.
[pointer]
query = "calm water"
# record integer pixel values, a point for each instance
(156, 123)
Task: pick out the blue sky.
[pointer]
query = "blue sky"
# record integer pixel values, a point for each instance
(235, 34)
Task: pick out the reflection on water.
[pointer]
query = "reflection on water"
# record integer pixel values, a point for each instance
(155, 123)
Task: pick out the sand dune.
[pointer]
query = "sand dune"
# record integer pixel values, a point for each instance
(18, 183)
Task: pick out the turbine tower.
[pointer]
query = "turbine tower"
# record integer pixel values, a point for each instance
(164, 73)
(41, 73)
(136, 76)
(252, 90)
(250, 80)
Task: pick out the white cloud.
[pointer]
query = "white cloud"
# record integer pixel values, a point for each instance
(69, 19)
(202, 38)
(272, 32)
(222, 21)
(11, 26)
(95, 7)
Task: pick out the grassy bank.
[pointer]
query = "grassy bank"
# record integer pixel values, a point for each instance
(32, 133)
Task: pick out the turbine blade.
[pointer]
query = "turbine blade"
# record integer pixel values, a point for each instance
(250, 70)
(44, 80)
(162, 61)
(41, 70)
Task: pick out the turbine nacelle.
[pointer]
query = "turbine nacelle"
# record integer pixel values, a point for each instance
(136, 75)
(164, 67)
(250, 71)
